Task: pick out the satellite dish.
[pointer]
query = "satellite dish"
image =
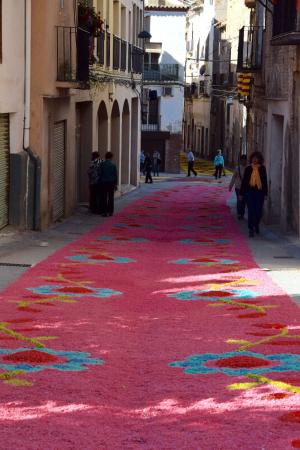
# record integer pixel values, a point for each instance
(202, 69)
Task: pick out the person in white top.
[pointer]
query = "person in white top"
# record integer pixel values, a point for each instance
(191, 159)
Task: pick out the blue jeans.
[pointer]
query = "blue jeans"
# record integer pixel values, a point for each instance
(240, 204)
(255, 202)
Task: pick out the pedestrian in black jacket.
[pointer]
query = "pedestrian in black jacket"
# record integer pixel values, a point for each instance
(254, 190)
(108, 182)
(148, 168)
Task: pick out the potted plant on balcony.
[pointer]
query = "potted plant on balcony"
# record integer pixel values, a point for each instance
(89, 18)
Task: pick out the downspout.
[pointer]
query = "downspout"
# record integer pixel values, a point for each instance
(26, 120)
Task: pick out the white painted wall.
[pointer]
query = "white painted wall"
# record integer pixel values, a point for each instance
(198, 30)
(169, 29)
(12, 70)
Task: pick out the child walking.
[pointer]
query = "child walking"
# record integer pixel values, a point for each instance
(219, 164)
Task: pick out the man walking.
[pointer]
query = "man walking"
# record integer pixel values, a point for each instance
(191, 159)
(156, 163)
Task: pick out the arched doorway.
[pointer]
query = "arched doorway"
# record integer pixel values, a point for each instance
(102, 129)
(125, 166)
(134, 166)
(115, 134)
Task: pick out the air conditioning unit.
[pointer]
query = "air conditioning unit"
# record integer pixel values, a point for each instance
(167, 91)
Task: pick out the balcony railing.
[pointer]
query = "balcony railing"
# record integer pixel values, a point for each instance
(150, 127)
(116, 52)
(108, 58)
(129, 50)
(286, 27)
(137, 59)
(250, 49)
(74, 47)
(123, 55)
(162, 72)
(101, 48)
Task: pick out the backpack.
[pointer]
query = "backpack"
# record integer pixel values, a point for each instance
(93, 172)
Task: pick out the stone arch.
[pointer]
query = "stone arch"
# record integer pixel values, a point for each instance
(115, 134)
(125, 164)
(102, 129)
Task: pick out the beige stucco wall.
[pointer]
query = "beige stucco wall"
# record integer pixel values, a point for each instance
(51, 102)
(12, 70)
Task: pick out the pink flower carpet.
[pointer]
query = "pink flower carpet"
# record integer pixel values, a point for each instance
(156, 330)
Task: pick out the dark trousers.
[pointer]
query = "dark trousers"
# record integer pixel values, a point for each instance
(94, 198)
(191, 168)
(156, 167)
(240, 204)
(148, 176)
(255, 202)
(107, 198)
(218, 171)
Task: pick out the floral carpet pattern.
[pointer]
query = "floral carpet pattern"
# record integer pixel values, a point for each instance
(156, 330)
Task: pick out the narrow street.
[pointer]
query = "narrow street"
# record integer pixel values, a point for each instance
(155, 330)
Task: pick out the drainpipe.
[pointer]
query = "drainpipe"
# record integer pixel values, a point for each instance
(26, 120)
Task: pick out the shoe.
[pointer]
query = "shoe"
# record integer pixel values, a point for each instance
(104, 215)
(240, 217)
(251, 233)
(110, 214)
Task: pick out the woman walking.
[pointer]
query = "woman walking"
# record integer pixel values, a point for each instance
(148, 169)
(254, 189)
(93, 174)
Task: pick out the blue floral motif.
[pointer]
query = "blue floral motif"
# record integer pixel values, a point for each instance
(197, 364)
(213, 241)
(72, 361)
(86, 259)
(55, 290)
(195, 295)
(223, 262)
(112, 238)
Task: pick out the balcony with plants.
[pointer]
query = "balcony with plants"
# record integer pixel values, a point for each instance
(83, 48)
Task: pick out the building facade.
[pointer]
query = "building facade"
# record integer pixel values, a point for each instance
(85, 90)
(14, 63)
(163, 93)
(198, 77)
(214, 116)
(273, 122)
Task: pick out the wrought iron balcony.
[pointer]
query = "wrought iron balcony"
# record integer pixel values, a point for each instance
(250, 49)
(286, 26)
(162, 72)
(74, 52)
(116, 52)
(137, 57)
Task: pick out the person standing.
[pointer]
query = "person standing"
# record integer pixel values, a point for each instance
(108, 182)
(142, 162)
(93, 175)
(148, 169)
(254, 190)
(191, 161)
(236, 181)
(156, 163)
(219, 164)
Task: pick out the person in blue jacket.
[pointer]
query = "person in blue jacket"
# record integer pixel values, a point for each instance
(219, 164)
